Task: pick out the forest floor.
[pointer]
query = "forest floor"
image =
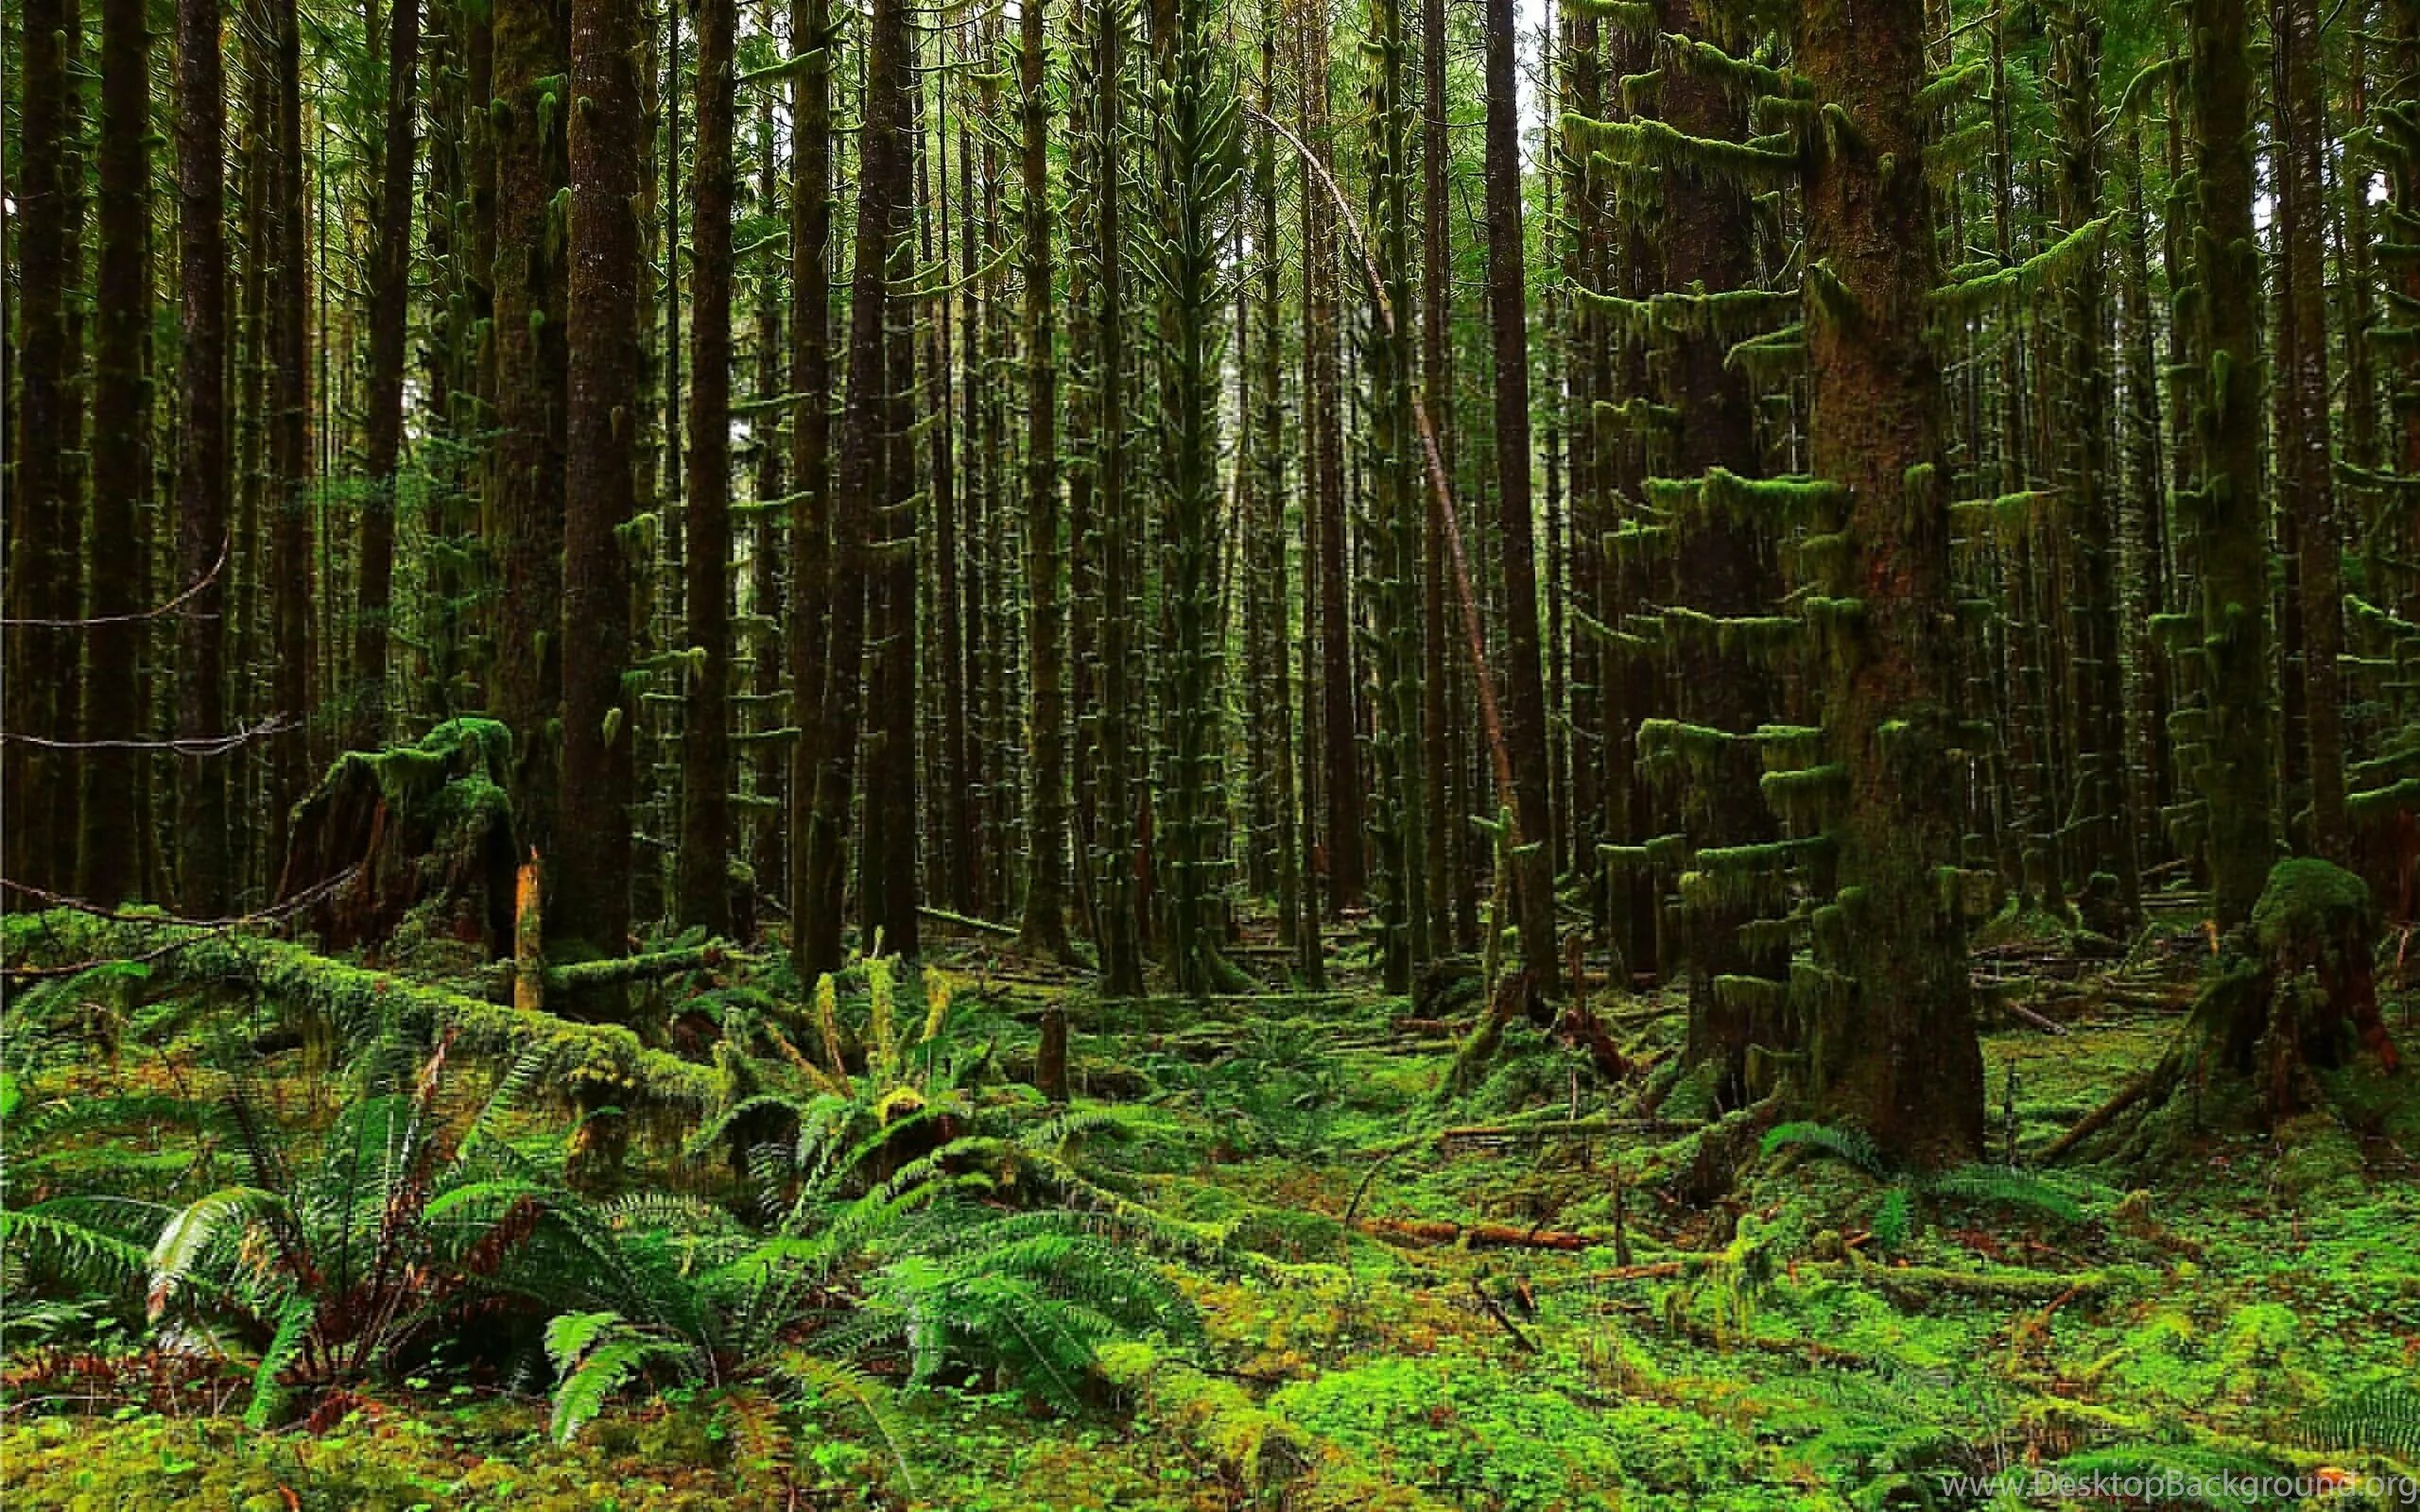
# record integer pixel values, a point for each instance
(1494, 1304)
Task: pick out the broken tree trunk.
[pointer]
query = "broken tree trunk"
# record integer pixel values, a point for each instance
(423, 830)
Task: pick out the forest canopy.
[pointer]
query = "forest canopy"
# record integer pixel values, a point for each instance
(1215, 753)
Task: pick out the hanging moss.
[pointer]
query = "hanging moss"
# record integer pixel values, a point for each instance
(1804, 797)
(1652, 144)
(1770, 359)
(1704, 60)
(1952, 88)
(1971, 296)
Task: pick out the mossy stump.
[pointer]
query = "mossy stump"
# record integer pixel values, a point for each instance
(424, 827)
(2297, 993)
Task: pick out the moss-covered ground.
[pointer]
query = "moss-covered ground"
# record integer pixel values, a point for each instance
(1826, 1335)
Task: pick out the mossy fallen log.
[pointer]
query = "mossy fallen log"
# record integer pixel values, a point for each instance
(1476, 1235)
(594, 1063)
(614, 970)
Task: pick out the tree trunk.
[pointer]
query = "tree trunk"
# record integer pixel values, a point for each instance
(706, 746)
(1524, 706)
(204, 884)
(526, 461)
(588, 892)
(368, 721)
(109, 851)
(46, 580)
(1044, 925)
(2226, 507)
(813, 589)
(1894, 1050)
(290, 556)
(858, 496)
(2307, 457)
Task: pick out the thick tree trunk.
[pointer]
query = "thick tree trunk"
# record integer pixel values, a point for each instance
(704, 900)
(391, 266)
(45, 576)
(1339, 688)
(291, 489)
(1894, 1050)
(525, 481)
(588, 889)
(204, 882)
(858, 493)
(2307, 459)
(1044, 925)
(2227, 506)
(812, 588)
(1723, 565)
(109, 851)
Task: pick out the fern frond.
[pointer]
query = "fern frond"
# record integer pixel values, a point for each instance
(294, 1324)
(2382, 1418)
(187, 1236)
(1854, 1146)
(1990, 1183)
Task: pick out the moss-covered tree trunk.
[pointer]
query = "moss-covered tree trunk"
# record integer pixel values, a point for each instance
(1108, 718)
(109, 851)
(887, 851)
(2227, 508)
(705, 892)
(882, 172)
(389, 298)
(2105, 817)
(1392, 521)
(1043, 926)
(524, 488)
(1894, 1051)
(203, 879)
(293, 645)
(45, 578)
(2307, 455)
(811, 584)
(588, 887)
(1199, 166)
(1347, 836)
(1524, 705)
(1724, 564)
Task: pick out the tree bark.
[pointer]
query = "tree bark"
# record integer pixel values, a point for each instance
(1895, 1052)
(109, 851)
(203, 881)
(588, 891)
(391, 270)
(704, 900)
(1043, 928)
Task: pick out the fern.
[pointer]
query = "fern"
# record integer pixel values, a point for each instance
(76, 1253)
(2013, 1188)
(1852, 1146)
(294, 1326)
(187, 1235)
(2382, 1418)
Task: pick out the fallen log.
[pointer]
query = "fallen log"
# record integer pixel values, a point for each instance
(1474, 1236)
(617, 970)
(1560, 1128)
(601, 1062)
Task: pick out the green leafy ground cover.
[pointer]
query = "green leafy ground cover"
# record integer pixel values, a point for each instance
(1829, 1333)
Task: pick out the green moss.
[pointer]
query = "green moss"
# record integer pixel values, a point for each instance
(2311, 902)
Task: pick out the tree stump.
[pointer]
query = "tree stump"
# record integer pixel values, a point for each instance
(425, 829)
